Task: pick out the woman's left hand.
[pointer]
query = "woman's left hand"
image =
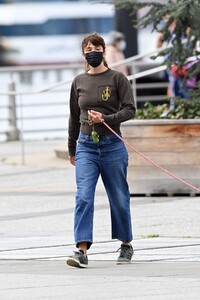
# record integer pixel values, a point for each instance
(95, 116)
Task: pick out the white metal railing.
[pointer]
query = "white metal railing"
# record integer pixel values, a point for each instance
(56, 67)
(13, 132)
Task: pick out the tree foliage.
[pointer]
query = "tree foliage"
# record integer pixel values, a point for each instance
(186, 34)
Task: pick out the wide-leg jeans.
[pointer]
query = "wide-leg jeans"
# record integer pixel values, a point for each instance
(108, 158)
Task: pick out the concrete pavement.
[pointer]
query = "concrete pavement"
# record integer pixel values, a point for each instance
(36, 234)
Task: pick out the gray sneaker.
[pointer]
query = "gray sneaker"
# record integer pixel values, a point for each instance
(78, 260)
(126, 253)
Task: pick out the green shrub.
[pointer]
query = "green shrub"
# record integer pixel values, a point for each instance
(184, 109)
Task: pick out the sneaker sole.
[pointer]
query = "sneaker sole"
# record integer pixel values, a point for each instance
(124, 262)
(72, 262)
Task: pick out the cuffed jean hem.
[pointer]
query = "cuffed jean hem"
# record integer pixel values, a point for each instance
(122, 239)
(89, 244)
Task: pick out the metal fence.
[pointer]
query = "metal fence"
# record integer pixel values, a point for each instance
(29, 112)
(24, 103)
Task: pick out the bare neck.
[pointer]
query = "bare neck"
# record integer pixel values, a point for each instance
(98, 69)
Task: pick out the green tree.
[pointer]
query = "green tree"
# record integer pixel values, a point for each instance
(184, 37)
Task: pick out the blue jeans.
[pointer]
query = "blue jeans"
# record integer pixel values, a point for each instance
(108, 158)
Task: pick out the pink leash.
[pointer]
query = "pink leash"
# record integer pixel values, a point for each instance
(151, 161)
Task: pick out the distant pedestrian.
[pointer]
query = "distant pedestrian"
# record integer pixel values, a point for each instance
(159, 44)
(96, 95)
(175, 78)
(114, 51)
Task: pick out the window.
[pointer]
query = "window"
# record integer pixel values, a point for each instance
(60, 27)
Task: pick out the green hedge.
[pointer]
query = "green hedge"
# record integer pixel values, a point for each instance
(184, 109)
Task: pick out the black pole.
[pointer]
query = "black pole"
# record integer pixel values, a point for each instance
(124, 23)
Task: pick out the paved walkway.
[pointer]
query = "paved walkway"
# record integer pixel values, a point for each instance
(36, 234)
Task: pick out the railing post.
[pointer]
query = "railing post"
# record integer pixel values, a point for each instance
(12, 133)
(134, 84)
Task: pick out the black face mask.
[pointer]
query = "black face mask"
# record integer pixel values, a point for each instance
(94, 58)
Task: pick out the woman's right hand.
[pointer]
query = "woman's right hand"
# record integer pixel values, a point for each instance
(72, 160)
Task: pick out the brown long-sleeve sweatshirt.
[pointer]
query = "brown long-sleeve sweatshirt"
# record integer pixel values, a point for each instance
(108, 92)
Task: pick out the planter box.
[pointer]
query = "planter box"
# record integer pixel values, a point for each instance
(173, 144)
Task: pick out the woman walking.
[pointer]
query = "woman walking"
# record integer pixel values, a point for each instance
(99, 94)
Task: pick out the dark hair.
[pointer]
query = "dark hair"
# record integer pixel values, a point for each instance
(96, 40)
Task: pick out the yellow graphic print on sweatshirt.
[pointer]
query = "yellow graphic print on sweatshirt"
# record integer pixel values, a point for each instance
(106, 94)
